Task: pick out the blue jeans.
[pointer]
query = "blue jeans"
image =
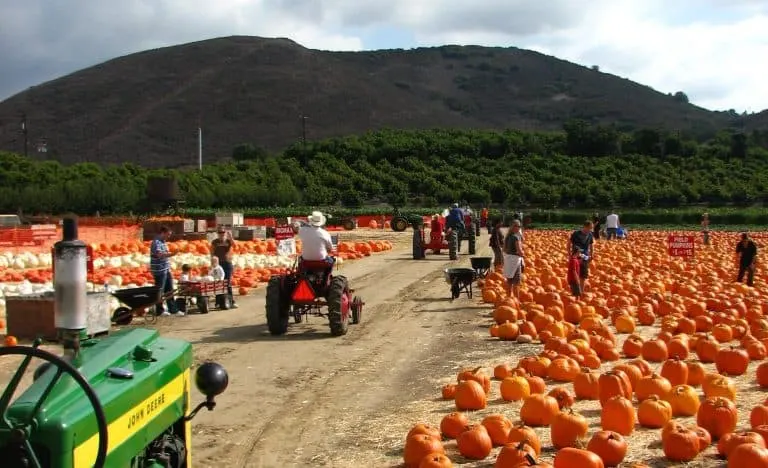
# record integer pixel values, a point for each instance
(164, 281)
(228, 268)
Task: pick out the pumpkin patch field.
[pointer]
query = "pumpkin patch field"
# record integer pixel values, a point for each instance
(660, 363)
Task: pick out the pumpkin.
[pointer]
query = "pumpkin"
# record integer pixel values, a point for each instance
(733, 439)
(653, 384)
(515, 455)
(10, 340)
(448, 391)
(243, 291)
(539, 410)
(565, 398)
(705, 438)
(717, 415)
(502, 371)
(748, 456)
(453, 424)
(732, 361)
(758, 416)
(653, 412)
(707, 349)
(696, 373)
(684, 400)
(655, 351)
(675, 371)
(614, 383)
(523, 433)
(424, 429)
(761, 374)
(498, 427)
(419, 446)
(476, 375)
(680, 444)
(618, 415)
(586, 386)
(717, 385)
(567, 429)
(470, 396)
(474, 443)
(514, 388)
(436, 460)
(570, 457)
(609, 446)
(633, 346)
(563, 369)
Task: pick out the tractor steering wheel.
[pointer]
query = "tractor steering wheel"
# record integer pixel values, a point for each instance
(20, 432)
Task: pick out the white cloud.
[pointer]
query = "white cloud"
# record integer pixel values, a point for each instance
(714, 50)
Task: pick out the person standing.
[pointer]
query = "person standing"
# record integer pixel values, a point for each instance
(746, 251)
(513, 259)
(597, 224)
(484, 217)
(160, 267)
(705, 228)
(496, 242)
(582, 240)
(611, 225)
(222, 248)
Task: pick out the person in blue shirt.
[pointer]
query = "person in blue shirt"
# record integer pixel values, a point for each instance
(455, 218)
(160, 267)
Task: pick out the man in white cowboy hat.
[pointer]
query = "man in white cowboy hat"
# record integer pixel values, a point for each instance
(316, 243)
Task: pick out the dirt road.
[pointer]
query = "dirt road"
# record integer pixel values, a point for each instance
(309, 399)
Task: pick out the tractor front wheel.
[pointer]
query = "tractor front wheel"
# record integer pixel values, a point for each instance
(338, 299)
(277, 307)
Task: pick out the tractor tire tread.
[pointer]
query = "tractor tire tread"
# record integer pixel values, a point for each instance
(276, 308)
(339, 285)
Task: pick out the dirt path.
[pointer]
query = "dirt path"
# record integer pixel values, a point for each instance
(305, 398)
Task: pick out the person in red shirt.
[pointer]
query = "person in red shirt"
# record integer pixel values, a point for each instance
(574, 271)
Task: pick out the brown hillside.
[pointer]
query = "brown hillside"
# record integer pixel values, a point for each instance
(144, 108)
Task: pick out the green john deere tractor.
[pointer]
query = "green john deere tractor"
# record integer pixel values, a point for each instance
(401, 220)
(120, 401)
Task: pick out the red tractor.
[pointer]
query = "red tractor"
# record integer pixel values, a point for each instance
(440, 238)
(305, 290)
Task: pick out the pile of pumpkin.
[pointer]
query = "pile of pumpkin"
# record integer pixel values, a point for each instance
(655, 339)
(114, 257)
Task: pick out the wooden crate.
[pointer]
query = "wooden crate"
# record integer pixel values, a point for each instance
(28, 317)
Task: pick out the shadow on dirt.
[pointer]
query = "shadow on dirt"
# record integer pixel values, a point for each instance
(250, 333)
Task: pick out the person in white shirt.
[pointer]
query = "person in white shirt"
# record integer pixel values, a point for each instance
(316, 243)
(612, 225)
(217, 271)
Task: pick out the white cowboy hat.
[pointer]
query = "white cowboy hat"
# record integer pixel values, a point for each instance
(316, 219)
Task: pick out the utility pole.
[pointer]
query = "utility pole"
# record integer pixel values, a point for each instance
(199, 144)
(26, 134)
(304, 131)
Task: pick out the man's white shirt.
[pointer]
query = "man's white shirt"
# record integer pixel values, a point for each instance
(612, 221)
(314, 243)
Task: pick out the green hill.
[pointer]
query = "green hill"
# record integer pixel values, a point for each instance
(144, 108)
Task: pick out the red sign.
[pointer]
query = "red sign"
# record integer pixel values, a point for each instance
(283, 232)
(681, 246)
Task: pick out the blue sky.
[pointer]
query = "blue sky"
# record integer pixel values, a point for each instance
(713, 50)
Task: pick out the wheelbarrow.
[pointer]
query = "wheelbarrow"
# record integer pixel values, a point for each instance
(482, 265)
(137, 300)
(461, 280)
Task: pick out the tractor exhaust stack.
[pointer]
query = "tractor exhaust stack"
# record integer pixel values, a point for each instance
(70, 276)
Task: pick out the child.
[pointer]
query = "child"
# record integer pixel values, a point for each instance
(216, 270)
(574, 271)
(186, 271)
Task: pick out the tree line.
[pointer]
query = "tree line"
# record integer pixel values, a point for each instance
(583, 166)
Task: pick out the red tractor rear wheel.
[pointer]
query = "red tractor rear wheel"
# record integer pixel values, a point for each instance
(339, 305)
